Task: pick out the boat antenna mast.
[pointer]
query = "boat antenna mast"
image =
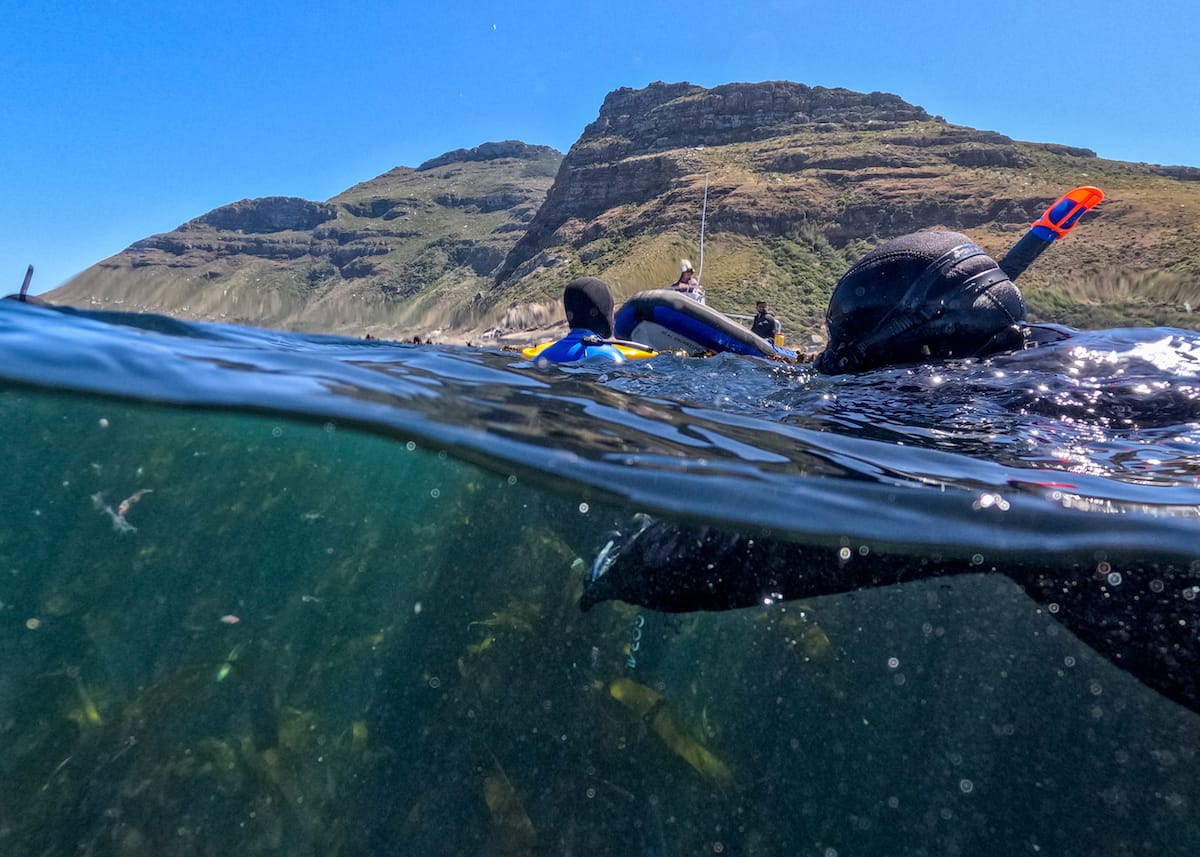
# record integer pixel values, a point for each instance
(703, 214)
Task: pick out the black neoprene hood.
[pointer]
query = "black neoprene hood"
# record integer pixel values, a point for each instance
(923, 296)
(589, 305)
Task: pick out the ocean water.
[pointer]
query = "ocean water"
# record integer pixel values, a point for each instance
(266, 593)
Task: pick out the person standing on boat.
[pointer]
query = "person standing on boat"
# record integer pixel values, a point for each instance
(687, 283)
(765, 324)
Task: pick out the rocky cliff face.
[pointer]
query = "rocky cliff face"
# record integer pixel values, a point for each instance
(617, 160)
(813, 146)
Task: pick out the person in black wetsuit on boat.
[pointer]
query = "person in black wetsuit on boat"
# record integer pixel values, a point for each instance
(765, 324)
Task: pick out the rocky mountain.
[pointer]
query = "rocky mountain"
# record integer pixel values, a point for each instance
(384, 256)
(792, 182)
(785, 183)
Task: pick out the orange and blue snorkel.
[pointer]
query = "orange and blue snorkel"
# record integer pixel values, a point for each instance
(1057, 220)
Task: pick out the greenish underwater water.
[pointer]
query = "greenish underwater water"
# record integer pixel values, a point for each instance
(297, 639)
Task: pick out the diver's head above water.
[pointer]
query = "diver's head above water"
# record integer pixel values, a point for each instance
(589, 306)
(920, 297)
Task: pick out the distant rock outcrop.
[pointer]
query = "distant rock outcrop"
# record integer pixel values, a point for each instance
(268, 214)
(492, 152)
(667, 116)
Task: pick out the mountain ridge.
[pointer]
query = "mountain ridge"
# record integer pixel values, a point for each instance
(791, 181)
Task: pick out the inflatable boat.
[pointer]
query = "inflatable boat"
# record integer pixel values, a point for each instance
(668, 321)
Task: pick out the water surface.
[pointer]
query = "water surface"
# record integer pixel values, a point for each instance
(270, 593)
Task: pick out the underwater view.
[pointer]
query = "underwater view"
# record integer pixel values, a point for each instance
(272, 593)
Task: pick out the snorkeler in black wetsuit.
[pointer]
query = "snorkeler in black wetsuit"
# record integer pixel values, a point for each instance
(921, 297)
(917, 298)
(938, 295)
(1148, 625)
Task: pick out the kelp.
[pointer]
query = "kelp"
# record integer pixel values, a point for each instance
(649, 705)
(511, 825)
(411, 673)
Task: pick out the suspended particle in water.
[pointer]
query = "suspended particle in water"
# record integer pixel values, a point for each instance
(229, 619)
(104, 422)
(583, 508)
(844, 554)
(966, 786)
(33, 623)
(277, 432)
(893, 663)
(410, 446)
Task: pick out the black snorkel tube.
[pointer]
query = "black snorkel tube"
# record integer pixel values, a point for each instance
(25, 284)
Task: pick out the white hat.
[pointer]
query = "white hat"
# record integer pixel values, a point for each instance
(685, 265)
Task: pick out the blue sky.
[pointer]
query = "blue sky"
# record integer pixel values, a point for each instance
(121, 120)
